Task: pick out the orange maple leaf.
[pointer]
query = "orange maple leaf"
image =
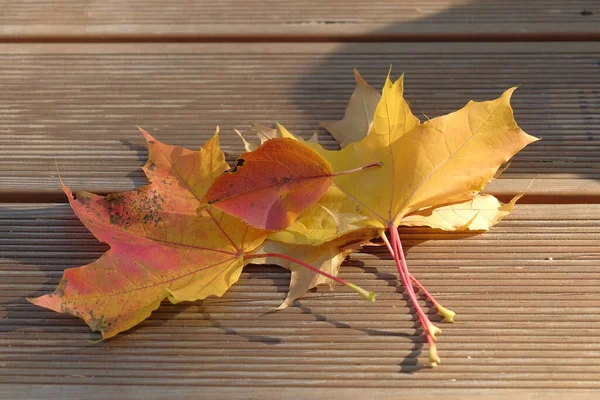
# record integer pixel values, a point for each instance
(168, 242)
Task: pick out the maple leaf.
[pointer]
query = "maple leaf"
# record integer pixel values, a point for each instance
(165, 240)
(327, 257)
(297, 178)
(187, 234)
(451, 161)
(392, 118)
(478, 214)
(161, 245)
(359, 114)
(432, 174)
(263, 133)
(334, 215)
(444, 160)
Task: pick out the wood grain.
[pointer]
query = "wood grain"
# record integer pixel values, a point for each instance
(78, 105)
(99, 392)
(277, 20)
(77, 77)
(526, 294)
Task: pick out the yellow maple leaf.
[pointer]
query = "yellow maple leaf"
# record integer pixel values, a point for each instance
(327, 257)
(442, 161)
(431, 174)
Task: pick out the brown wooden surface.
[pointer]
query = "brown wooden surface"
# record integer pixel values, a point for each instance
(77, 77)
(308, 20)
(78, 105)
(526, 295)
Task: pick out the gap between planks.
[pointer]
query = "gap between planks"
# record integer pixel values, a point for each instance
(409, 33)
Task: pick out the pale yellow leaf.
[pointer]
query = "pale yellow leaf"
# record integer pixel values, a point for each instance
(478, 214)
(334, 215)
(262, 133)
(358, 118)
(327, 257)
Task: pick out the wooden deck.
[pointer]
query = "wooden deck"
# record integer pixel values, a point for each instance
(77, 77)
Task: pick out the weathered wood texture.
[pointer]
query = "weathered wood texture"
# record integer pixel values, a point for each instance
(79, 104)
(526, 293)
(310, 20)
(100, 392)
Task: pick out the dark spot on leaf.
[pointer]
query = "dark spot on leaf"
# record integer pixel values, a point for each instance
(151, 166)
(115, 219)
(84, 201)
(60, 289)
(116, 198)
(286, 179)
(240, 162)
(95, 323)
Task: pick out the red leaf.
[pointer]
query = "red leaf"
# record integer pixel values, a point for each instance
(271, 185)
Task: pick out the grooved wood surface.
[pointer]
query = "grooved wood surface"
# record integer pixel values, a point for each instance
(311, 19)
(526, 294)
(78, 76)
(78, 105)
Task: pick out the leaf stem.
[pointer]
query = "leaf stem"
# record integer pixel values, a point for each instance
(353, 170)
(362, 292)
(383, 237)
(429, 329)
(446, 313)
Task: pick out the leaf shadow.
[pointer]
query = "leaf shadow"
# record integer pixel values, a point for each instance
(409, 364)
(141, 150)
(137, 176)
(39, 276)
(425, 234)
(269, 340)
(202, 309)
(439, 81)
(39, 249)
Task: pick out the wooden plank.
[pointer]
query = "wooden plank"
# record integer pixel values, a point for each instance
(79, 104)
(526, 294)
(98, 392)
(313, 19)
